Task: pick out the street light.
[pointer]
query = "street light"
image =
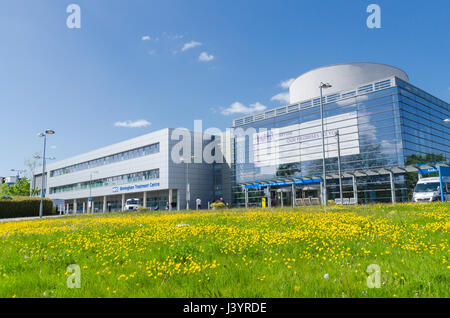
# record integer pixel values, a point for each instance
(44, 134)
(339, 165)
(90, 203)
(188, 186)
(18, 172)
(325, 200)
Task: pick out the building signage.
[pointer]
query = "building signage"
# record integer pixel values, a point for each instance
(135, 187)
(429, 170)
(303, 142)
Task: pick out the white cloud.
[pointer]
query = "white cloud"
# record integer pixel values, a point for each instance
(190, 45)
(53, 147)
(172, 36)
(133, 124)
(282, 97)
(146, 38)
(285, 84)
(151, 52)
(205, 57)
(239, 108)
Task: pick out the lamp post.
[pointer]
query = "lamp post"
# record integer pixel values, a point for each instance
(90, 203)
(188, 186)
(18, 172)
(325, 199)
(339, 165)
(44, 134)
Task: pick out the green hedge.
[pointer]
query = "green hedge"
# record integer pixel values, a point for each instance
(23, 207)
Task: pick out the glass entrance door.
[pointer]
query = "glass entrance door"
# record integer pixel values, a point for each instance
(281, 196)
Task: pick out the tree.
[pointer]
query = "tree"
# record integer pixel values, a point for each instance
(32, 163)
(287, 169)
(20, 188)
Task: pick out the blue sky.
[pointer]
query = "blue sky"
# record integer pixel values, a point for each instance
(126, 63)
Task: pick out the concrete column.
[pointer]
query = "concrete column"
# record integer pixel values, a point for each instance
(178, 200)
(246, 197)
(123, 202)
(104, 203)
(391, 177)
(144, 202)
(269, 198)
(75, 206)
(84, 207)
(293, 195)
(170, 199)
(355, 189)
(281, 199)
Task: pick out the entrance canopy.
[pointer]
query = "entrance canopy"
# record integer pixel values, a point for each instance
(282, 183)
(317, 178)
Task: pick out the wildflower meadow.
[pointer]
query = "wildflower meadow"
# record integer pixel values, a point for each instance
(339, 251)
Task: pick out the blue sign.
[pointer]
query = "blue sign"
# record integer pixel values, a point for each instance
(443, 172)
(135, 187)
(282, 183)
(429, 170)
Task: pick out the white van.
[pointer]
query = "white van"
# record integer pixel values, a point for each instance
(131, 204)
(429, 190)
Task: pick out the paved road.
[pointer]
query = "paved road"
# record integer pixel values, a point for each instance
(30, 218)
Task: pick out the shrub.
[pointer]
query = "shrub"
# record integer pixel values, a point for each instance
(218, 205)
(141, 209)
(23, 207)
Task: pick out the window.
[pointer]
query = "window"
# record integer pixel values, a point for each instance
(111, 181)
(131, 154)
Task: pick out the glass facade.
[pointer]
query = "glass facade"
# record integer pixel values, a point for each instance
(111, 181)
(126, 155)
(423, 129)
(381, 129)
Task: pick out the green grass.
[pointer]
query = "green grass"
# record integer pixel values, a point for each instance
(236, 253)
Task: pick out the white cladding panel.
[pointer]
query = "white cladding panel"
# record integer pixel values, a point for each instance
(341, 77)
(158, 160)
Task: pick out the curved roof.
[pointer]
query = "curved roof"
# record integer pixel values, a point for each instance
(341, 77)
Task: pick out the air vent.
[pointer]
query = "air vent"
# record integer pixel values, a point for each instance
(281, 111)
(382, 84)
(238, 122)
(365, 88)
(333, 98)
(305, 104)
(259, 116)
(349, 94)
(293, 108)
(270, 113)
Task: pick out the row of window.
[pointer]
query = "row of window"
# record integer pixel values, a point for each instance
(126, 155)
(111, 181)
